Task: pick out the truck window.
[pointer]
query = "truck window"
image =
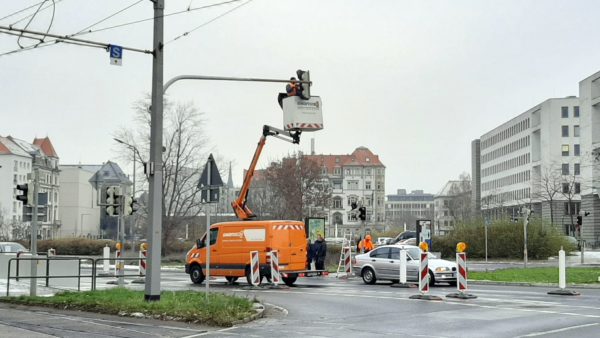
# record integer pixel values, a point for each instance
(214, 234)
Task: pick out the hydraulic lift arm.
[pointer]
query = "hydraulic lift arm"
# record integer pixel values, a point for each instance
(239, 205)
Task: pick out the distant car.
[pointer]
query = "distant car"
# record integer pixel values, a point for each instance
(403, 236)
(410, 241)
(383, 240)
(12, 247)
(383, 263)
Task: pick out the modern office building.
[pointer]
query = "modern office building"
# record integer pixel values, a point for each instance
(404, 209)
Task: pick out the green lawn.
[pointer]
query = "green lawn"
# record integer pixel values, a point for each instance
(539, 275)
(188, 306)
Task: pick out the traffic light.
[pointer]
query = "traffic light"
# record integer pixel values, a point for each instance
(362, 213)
(304, 87)
(113, 200)
(128, 205)
(27, 196)
(353, 206)
(579, 221)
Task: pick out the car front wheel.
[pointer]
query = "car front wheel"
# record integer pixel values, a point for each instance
(368, 276)
(431, 279)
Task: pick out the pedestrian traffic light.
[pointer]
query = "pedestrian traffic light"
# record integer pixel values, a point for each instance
(113, 200)
(362, 213)
(27, 196)
(304, 87)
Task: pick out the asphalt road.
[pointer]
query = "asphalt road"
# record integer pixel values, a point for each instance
(330, 307)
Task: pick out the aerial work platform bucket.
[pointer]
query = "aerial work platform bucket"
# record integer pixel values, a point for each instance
(302, 115)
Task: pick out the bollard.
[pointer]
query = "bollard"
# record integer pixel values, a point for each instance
(106, 262)
(275, 275)
(461, 276)
(51, 252)
(424, 275)
(562, 279)
(254, 268)
(348, 261)
(402, 265)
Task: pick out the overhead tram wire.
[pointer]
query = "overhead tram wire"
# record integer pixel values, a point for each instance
(207, 22)
(33, 17)
(30, 15)
(22, 10)
(81, 31)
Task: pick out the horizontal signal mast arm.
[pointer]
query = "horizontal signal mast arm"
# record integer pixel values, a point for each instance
(239, 205)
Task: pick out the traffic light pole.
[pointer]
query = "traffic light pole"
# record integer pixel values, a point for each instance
(121, 225)
(34, 230)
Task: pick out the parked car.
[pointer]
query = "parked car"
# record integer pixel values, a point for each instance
(410, 241)
(403, 236)
(383, 263)
(383, 240)
(12, 247)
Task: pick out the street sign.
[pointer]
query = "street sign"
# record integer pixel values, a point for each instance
(210, 182)
(116, 55)
(424, 231)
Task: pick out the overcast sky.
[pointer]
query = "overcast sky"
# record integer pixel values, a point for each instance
(414, 81)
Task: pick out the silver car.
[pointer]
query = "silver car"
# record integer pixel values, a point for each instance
(383, 263)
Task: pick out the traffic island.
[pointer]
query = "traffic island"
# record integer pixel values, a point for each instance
(461, 295)
(403, 286)
(564, 292)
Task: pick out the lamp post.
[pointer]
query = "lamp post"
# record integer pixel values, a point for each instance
(81, 224)
(135, 151)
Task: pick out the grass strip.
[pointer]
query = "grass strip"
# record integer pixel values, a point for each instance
(538, 275)
(187, 306)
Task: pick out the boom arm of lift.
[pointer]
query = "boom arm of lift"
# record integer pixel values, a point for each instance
(239, 205)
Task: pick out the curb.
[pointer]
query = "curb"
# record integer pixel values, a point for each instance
(259, 312)
(489, 282)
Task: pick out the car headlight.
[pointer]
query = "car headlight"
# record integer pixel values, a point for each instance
(442, 269)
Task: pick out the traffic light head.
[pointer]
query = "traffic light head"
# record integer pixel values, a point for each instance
(113, 200)
(25, 196)
(304, 87)
(362, 213)
(128, 205)
(353, 205)
(579, 220)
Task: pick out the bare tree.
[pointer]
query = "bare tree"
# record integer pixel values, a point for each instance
(294, 184)
(183, 161)
(548, 188)
(459, 205)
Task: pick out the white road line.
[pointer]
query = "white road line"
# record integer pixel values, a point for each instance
(210, 332)
(541, 333)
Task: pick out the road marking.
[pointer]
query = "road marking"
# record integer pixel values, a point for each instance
(541, 333)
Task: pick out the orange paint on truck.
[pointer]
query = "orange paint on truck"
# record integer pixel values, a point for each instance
(232, 242)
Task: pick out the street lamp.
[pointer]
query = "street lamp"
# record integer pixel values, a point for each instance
(135, 151)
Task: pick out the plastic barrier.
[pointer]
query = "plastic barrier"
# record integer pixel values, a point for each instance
(254, 268)
(348, 261)
(402, 274)
(275, 275)
(461, 276)
(424, 273)
(562, 277)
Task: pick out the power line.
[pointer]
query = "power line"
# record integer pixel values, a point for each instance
(207, 22)
(33, 17)
(41, 10)
(22, 10)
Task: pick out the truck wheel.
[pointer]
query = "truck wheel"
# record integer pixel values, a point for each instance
(249, 277)
(290, 279)
(196, 274)
(231, 280)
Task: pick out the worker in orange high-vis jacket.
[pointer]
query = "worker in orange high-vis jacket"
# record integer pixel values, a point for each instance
(366, 244)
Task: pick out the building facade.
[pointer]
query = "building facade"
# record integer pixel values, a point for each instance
(358, 177)
(18, 159)
(79, 209)
(533, 160)
(404, 209)
(451, 205)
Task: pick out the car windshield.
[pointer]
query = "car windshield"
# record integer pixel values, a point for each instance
(12, 247)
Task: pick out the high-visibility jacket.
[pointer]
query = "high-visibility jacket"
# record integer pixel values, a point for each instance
(291, 89)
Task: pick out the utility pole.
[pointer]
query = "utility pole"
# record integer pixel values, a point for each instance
(34, 230)
(155, 166)
(525, 224)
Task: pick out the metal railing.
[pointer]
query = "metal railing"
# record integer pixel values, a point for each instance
(93, 275)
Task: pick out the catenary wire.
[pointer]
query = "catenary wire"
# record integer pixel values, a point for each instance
(30, 15)
(208, 22)
(33, 17)
(81, 31)
(22, 10)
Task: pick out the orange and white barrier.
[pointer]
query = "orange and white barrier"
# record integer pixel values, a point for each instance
(348, 261)
(461, 262)
(424, 273)
(275, 274)
(254, 268)
(143, 256)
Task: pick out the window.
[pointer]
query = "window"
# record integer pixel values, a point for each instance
(565, 169)
(337, 171)
(337, 185)
(353, 185)
(577, 169)
(564, 112)
(337, 202)
(578, 188)
(565, 150)
(368, 172)
(565, 188)
(214, 233)
(380, 253)
(576, 131)
(576, 150)
(576, 111)
(395, 253)
(565, 131)
(324, 171)
(368, 185)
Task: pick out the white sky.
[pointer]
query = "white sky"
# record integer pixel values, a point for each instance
(414, 81)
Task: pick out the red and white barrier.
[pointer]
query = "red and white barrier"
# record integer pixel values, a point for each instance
(275, 274)
(461, 262)
(348, 261)
(254, 268)
(142, 267)
(424, 273)
(118, 262)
